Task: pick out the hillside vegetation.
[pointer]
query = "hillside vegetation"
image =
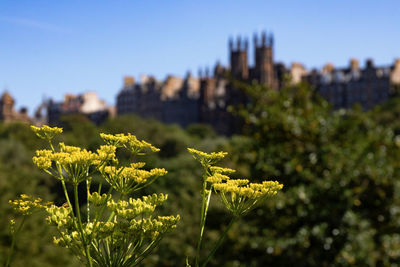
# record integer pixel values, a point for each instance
(340, 204)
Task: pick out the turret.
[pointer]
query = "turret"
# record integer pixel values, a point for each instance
(6, 106)
(238, 59)
(264, 71)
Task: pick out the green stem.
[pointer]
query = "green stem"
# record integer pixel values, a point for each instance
(113, 213)
(87, 199)
(100, 213)
(66, 195)
(204, 209)
(216, 245)
(78, 214)
(13, 242)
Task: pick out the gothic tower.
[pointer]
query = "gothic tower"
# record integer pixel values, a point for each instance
(238, 59)
(264, 62)
(6, 107)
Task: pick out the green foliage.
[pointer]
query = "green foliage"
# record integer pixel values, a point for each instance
(341, 176)
(180, 183)
(120, 233)
(340, 169)
(18, 175)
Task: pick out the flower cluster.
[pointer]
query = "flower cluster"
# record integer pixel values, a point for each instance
(59, 216)
(106, 153)
(46, 132)
(128, 179)
(137, 231)
(207, 159)
(97, 199)
(240, 196)
(218, 174)
(134, 207)
(153, 228)
(132, 226)
(73, 160)
(128, 141)
(27, 204)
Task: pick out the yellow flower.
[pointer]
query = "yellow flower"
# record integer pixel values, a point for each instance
(129, 179)
(46, 132)
(217, 178)
(27, 204)
(207, 159)
(60, 216)
(98, 199)
(106, 153)
(69, 149)
(128, 141)
(221, 170)
(240, 196)
(134, 207)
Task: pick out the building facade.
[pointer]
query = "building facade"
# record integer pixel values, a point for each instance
(87, 104)
(345, 87)
(7, 112)
(207, 99)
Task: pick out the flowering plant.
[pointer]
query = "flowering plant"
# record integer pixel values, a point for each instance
(239, 196)
(110, 232)
(116, 229)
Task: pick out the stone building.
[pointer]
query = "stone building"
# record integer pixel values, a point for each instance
(218, 92)
(345, 87)
(87, 104)
(206, 99)
(7, 112)
(173, 101)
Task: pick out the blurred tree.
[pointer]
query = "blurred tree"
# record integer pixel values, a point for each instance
(18, 175)
(340, 169)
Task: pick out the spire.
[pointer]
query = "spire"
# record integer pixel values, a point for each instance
(246, 44)
(230, 44)
(271, 40)
(238, 42)
(264, 38)
(255, 39)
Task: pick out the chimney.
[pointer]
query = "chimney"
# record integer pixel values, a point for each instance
(129, 81)
(370, 63)
(354, 64)
(328, 68)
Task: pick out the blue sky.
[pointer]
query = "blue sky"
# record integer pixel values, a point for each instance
(49, 48)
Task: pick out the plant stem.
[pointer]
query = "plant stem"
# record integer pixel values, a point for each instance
(78, 214)
(87, 199)
(216, 246)
(13, 242)
(204, 209)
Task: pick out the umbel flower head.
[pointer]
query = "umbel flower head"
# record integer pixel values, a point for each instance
(46, 132)
(73, 160)
(27, 204)
(59, 216)
(129, 142)
(128, 179)
(134, 207)
(240, 196)
(207, 159)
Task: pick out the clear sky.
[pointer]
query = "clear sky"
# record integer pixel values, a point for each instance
(49, 48)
